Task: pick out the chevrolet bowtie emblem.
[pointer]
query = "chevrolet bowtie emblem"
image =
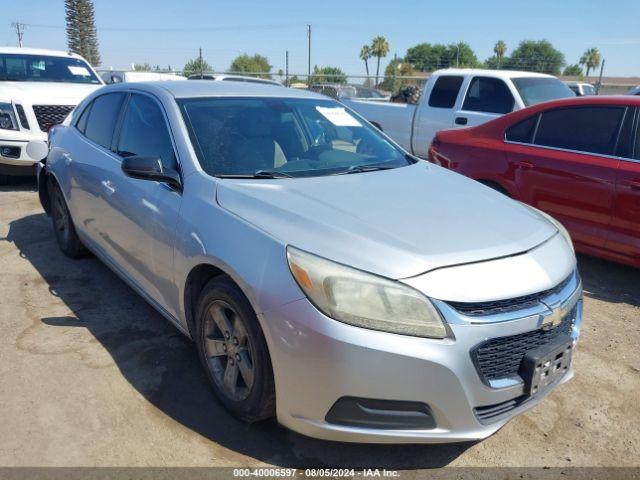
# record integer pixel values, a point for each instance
(553, 319)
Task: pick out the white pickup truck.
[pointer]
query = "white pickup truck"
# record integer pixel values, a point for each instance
(458, 98)
(38, 89)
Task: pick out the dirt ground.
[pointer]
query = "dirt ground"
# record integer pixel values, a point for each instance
(90, 375)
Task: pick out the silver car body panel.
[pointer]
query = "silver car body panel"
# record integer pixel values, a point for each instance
(442, 234)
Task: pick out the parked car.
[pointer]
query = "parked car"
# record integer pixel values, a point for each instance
(336, 91)
(119, 76)
(233, 78)
(325, 276)
(38, 89)
(341, 92)
(635, 91)
(455, 98)
(577, 160)
(582, 89)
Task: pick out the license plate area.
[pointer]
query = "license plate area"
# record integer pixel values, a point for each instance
(545, 365)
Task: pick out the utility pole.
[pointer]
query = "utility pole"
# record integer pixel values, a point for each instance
(600, 77)
(200, 61)
(19, 31)
(286, 69)
(309, 55)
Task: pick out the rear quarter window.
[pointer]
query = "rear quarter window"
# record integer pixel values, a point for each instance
(522, 132)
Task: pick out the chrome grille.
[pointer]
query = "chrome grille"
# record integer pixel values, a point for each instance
(501, 357)
(509, 305)
(50, 115)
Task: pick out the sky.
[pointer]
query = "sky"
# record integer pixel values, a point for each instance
(169, 32)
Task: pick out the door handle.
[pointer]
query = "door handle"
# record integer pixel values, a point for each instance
(461, 120)
(108, 186)
(525, 164)
(67, 158)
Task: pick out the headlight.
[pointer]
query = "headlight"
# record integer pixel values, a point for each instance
(563, 231)
(363, 299)
(7, 117)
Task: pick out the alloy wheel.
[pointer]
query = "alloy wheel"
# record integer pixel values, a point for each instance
(229, 352)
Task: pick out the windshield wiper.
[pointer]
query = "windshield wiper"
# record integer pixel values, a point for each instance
(257, 174)
(363, 168)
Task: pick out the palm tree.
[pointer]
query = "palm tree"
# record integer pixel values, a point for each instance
(379, 49)
(590, 60)
(365, 55)
(500, 49)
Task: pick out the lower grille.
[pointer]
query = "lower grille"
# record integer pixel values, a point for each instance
(50, 115)
(501, 357)
(492, 413)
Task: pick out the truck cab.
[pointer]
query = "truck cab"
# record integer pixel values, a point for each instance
(38, 89)
(455, 98)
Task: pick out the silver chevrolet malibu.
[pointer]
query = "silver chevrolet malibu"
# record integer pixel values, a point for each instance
(326, 277)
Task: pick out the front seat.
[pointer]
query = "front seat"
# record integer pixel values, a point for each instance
(256, 149)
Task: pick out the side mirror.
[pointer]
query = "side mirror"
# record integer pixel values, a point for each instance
(150, 168)
(37, 149)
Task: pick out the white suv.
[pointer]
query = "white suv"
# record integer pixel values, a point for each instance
(38, 89)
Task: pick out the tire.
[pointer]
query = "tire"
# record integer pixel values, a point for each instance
(63, 227)
(233, 351)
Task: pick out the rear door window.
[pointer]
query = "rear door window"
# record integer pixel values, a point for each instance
(445, 91)
(626, 137)
(144, 132)
(582, 129)
(103, 117)
(489, 95)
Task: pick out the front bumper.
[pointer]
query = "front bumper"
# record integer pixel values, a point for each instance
(318, 360)
(18, 161)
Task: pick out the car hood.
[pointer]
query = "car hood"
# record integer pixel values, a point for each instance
(45, 93)
(396, 223)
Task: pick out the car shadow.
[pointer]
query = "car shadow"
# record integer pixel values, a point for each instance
(161, 364)
(608, 281)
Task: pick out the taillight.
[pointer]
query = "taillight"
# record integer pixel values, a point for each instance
(433, 150)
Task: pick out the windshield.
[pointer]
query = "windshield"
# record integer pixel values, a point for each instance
(268, 137)
(540, 89)
(42, 68)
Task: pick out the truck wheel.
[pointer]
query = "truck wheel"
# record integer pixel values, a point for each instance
(233, 351)
(63, 227)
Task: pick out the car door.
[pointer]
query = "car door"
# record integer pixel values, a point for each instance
(435, 112)
(486, 98)
(624, 236)
(568, 168)
(88, 160)
(141, 216)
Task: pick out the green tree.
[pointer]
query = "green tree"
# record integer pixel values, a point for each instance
(379, 49)
(397, 68)
(536, 56)
(196, 66)
(365, 55)
(427, 58)
(251, 64)
(327, 75)
(143, 67)
(590, 60)
(574, 70)
(500, 49)
(82, 36)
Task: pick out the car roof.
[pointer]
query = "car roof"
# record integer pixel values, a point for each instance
(180, 89)
(38, 51)
(491, 73)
